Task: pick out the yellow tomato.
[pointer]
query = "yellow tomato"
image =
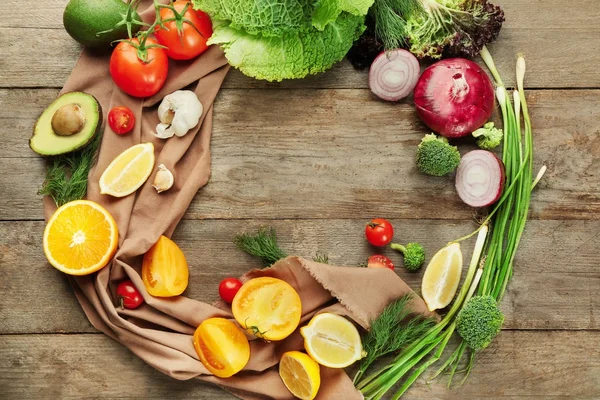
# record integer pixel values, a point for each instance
(222, 346)
(268, 308)
(164, 269)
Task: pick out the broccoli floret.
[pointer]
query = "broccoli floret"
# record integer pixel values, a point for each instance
(414, 255)
(479, 321)
(436, 157)
(488, 136)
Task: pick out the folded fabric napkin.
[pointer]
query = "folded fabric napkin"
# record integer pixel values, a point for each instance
(160, 331)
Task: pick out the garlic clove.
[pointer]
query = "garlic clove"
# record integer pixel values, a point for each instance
(163, 180)
(164, 131)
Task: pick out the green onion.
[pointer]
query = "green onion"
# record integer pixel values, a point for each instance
(489, 274)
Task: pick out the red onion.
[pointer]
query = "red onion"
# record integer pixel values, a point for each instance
(454, 97)
(394, 74)
(480, 178)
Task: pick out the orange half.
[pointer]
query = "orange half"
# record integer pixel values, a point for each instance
(80, 238)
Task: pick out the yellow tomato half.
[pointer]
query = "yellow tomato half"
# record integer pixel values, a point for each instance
(222, 346)
(164, 270)
(268, 308)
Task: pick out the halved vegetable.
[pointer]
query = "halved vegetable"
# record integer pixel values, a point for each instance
(394, 74)
(480, 178)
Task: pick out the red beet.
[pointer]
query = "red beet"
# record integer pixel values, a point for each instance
(454, 97)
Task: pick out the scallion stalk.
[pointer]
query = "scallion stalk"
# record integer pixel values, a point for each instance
(489, 274)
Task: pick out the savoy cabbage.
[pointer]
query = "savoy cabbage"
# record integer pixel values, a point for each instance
(285, 39)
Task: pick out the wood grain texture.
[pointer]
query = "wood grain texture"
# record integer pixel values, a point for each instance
(555, 285)
(518, 365)
(333, 154)
(552, 33)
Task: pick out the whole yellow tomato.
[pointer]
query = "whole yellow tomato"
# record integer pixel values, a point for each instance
(164, 270)
(222, 346)
(268, 308)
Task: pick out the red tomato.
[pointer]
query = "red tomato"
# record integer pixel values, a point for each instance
(134, 76)
(379, 261)
(121, 120)
(128, 295)
(186, 30)
(379, 232)
(228, 289)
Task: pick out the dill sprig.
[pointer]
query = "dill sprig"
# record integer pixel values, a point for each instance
(67, 174)
(262, 244)
(390, 332)
(321, 258)
(390, 20)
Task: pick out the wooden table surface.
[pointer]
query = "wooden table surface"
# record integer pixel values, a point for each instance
(316, 158)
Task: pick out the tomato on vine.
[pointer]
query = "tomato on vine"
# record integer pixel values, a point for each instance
(139, 67)
(183, 30)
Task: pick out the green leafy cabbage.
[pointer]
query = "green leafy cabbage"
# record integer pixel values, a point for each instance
(265, 17)
(285, 39)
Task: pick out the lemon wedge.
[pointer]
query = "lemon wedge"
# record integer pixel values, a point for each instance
(442, 277)
(128, 171)
(332, 340)
(300, 374)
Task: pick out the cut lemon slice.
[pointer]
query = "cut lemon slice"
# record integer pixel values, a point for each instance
(442, 277)
(126, 173)
(80, 238)
(332, 340)
(300, 374)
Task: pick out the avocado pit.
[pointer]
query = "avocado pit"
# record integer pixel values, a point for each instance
(68, 120)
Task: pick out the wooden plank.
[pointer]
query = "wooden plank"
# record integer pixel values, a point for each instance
(338, 154)
(538, 30)
(518, 365)
(555, 285)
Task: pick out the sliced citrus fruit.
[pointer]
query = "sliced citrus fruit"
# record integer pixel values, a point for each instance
(332, 340)
(300, 374)
(222, 346)
(442, 277)
(80, 238)
(128, 171)
(268, 308)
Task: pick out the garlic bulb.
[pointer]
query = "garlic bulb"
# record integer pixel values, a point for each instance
(178, 112)
(163, 180)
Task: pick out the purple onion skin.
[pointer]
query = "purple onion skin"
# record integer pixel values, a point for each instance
(454, 97)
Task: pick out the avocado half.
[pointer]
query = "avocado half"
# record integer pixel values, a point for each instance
(76, 116)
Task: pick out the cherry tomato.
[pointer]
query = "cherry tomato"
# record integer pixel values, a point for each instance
(128, 295)
(134, 76)
(379, 232)
(222, 346)
(186, 30)
(379, 261)
(164, 269)
(228, 288)
(121, 120)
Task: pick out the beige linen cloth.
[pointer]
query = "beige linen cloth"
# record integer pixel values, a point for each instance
(160, 331)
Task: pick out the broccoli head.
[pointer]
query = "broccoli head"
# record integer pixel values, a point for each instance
(488, 136)
(436, 157)
(479, 321)
(414, 255)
